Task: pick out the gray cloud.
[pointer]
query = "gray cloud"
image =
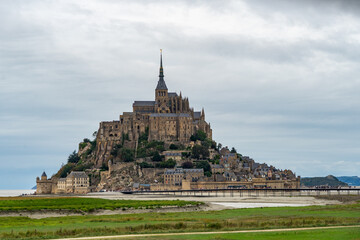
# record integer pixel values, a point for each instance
(279, 81)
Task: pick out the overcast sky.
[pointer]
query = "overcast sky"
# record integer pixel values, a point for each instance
(279, 80)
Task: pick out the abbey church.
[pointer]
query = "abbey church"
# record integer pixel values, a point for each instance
(149, 148)
(169, 118)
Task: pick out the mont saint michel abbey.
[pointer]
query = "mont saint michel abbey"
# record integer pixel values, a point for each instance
(169, 118)
(167, 121)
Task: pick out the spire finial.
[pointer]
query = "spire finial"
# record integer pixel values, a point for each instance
(161, 82)
(161, 66)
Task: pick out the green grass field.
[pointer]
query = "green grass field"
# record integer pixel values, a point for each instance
(323, 234)
(235, 219)
(81, 204)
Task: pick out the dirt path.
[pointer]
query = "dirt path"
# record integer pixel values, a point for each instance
(206, 233)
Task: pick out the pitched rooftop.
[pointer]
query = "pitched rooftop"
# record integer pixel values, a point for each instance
(78, 174)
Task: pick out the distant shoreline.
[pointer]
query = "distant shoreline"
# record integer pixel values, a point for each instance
(16, 192)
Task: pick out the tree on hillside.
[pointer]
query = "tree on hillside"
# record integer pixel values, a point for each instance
(173, 147)
(199, 151)
(157, 157)
(66, 169)
(187, 165)
(206, 143)
(115, 151)
(144, 136)
(73, 157)
(233, 150)
(166, 164)
(127, 155)
(204, 165)
(199, 135)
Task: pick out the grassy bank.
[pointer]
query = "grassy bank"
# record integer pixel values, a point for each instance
(235, 219)
(323, 234)
(81, 204)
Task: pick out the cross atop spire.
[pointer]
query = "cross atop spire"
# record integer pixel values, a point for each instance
(161, 83)
(161, 66)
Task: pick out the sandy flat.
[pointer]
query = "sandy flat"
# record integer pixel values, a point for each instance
(307, 200)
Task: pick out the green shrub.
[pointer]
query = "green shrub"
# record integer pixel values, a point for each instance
(82, 145)
(66, 169)
(127, 155)
(104, 167)
(156, 157)
(187, 165)
(199, 135)
(82, 167)
(215, 225)
(146, 165)
(204, 165)
(73, 157)
(166, 164)
(173, 147)
(141, 153)
(199, 151)
(144, 136)
(115, 151)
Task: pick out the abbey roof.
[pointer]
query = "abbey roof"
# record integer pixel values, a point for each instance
(170, 115)
(143, 103)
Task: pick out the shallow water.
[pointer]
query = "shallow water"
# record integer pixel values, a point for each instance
(14, 193)
(258, 205)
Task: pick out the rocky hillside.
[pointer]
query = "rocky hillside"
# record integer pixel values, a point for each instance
(119, 166)
(145, 164)
(351, 180)
(329, 181)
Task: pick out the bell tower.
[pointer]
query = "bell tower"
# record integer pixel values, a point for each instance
(161, 91)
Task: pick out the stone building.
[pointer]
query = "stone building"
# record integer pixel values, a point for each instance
(177, 175)
(61, 185)
(168, 118)
(217, 169)
(75, 182)
(44, 185)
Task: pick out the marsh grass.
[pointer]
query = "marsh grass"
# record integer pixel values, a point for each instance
(235, 219)
(318, 234)
(77, 204)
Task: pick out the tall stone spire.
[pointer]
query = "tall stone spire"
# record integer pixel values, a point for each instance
(161, 83)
